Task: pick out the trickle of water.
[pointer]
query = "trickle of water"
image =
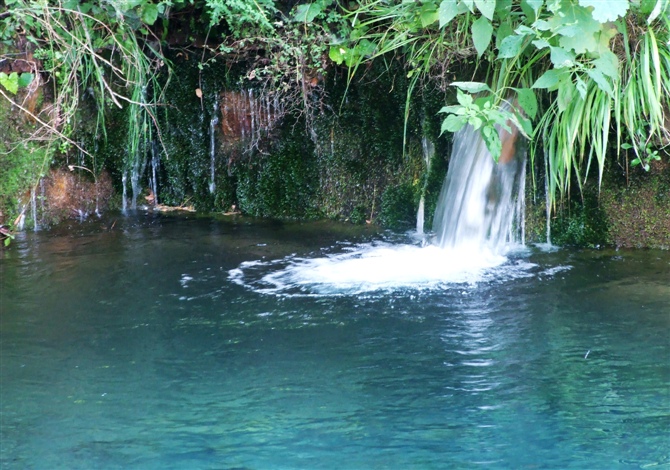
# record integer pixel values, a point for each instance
(33, 208)
(155, 161)
(124, 203)
(479, 205)
(212, 145)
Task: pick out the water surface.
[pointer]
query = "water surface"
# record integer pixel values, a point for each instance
(168, 342)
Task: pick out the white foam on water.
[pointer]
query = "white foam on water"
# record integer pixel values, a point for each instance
(379, 266)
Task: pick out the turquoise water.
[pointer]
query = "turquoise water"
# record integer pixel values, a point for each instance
(168, 342)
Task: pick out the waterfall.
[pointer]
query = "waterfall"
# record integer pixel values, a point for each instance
(481, 203)
(212, 145)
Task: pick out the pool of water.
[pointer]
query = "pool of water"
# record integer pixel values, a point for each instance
(173, 342)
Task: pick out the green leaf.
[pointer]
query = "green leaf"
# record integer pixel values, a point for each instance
(581, 87)
(600, 80)
(7, 241)
(561, 58)
(306, 13)
(566, 92)
(535, 5)
(337, 54)
(541, 43)
(510, 47)
(471, 87)
(481, 34)
(149, 14)
(486, 7)
(504, 31)
(608, 64)
(549, 79)
(10, 82)
(25, 79)
(463, 99)
(428, 15)
(527, 101)
(492, 141)
(453, 123)
(454, 109)
(447, 12)
(610, 10)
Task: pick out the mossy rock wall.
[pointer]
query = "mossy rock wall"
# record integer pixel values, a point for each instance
(22, 160)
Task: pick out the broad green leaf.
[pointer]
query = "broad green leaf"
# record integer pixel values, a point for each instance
(447, 12)
(492, 141)
(486, 7)
(535, 5)
(463, 98)
(471, 87)
(600, 80)
(504, 7)
(481, 34)
(454, 109)
(541, 43)
(561, 58)
(526, 127)
(306, 13)
(10, 82)
(608, 64)
(504, 31)
(453, 123)
(542, 25)
(527, 101)
(549, 79)
(566, 92)
(529, 11)
(581, 87)
(428, 15)
(25, 79)
(510, 47)
(149, 14)
(610, 10)
(337, 54)
(470, 4)
(475, 121)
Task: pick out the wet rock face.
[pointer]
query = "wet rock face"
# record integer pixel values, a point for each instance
(68, 194)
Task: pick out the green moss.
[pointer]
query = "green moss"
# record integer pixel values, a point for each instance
(638, 214)
(398, 207)
(22, 164)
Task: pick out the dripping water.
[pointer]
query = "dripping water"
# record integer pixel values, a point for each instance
(153, 180)
(33, 208)
(124, 199)
(212, 145)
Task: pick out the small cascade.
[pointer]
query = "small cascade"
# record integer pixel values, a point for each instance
(547, 196)
(124, 199)
(212, 145)
(481, 203)
(135, 182)
(153, 181)
(33, 208)
(428, 152)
